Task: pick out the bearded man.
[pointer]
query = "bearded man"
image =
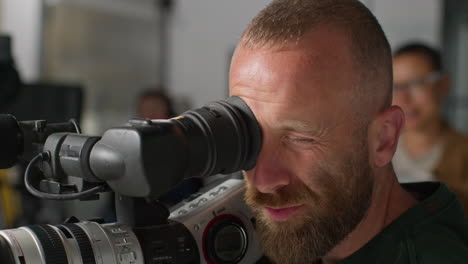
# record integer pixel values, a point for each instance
(318, 76)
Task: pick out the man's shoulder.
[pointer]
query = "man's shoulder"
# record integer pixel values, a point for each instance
(425, 245)
(432, 232)
(440, 235)
(439, 244)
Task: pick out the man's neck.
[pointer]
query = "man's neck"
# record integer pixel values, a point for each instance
(389, 201)
(418, 142)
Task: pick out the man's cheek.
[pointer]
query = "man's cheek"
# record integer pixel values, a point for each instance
(248, 176)
(249, 197)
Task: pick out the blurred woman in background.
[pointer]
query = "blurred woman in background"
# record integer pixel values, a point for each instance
(428, 149)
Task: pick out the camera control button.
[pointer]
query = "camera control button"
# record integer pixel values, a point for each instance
(194, 205)
(181, 212)
(196, 227)
(122, 241)
(117, 230)
(128, 257)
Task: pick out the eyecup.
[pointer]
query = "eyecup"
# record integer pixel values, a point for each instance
(255, 140)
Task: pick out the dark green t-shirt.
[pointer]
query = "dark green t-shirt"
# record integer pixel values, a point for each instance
(432, 232)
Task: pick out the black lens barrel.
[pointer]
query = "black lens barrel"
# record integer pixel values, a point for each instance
(52, 246)
(86, 249)
(223, 137)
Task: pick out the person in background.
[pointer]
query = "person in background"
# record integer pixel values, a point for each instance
(428, 149)
(155, 104)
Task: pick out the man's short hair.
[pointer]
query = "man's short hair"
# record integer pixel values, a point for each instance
(431, 54)
(285, 22)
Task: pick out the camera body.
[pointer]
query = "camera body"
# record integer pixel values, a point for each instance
(215, 227)
(140, 161)
(222, 224)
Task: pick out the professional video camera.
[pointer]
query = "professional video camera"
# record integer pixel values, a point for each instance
(139, 162)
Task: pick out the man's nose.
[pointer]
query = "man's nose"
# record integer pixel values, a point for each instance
(270, 173)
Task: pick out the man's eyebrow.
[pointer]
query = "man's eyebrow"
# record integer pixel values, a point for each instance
(300, 126)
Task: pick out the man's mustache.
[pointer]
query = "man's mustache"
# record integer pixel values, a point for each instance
(285, 197)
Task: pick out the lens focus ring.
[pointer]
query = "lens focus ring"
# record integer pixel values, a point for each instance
(84, 244)
(54, 251)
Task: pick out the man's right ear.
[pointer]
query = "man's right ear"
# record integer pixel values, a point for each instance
(384, 134)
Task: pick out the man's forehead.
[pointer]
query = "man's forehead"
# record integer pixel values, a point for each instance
(289, 74)
(322, 54)
(311, 76)
(269, 66)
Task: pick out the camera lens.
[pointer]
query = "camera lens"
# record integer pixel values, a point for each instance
(225, 240)
(35, 244)
(83, 242)
(6, 253)
(230, 242)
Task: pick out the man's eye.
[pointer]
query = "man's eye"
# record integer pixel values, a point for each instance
(300, 139)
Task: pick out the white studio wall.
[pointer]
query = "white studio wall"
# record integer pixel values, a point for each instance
(203, 36)
(22, 19)
(404, 20)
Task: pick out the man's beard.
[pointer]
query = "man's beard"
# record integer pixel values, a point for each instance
(329, 216)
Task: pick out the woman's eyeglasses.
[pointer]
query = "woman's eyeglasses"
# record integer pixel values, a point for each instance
(417, 86)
